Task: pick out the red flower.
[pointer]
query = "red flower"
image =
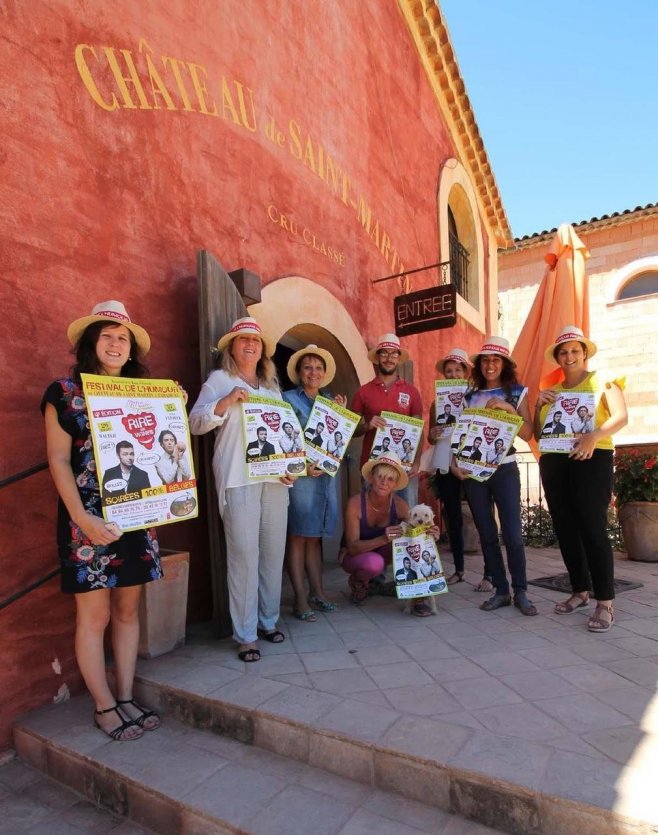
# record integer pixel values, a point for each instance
(649, 464)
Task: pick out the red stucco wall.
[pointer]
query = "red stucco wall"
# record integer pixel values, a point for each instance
(107, 193)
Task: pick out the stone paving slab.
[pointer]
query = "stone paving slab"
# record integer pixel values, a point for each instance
(528, 724)
(512, 697)
(185, 781)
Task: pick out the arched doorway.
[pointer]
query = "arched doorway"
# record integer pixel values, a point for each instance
(297, 312)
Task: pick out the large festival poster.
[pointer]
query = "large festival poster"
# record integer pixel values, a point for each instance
(570, 415)
(401, 435)
(417, 565)
(449, 403)
(328, 432)
(489, 437)
(141, 441)
(272, 438)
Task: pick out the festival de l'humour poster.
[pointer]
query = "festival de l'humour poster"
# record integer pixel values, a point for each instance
(568, 417)
(268, 425)
(328, 432)
(489, 437)
(449, 403)
(417, 565)
(141, 441)
(401, 435)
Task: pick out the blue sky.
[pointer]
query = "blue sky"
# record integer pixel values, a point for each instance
(566, 99)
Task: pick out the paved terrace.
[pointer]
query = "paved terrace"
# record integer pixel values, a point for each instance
(525, 724)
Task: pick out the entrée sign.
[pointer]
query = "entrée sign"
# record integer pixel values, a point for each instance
(425, 310)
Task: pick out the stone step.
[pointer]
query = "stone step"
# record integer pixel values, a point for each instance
(183, 780)
(513, 785)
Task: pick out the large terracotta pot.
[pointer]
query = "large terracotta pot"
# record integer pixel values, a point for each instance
(639, 524)
(163, 607)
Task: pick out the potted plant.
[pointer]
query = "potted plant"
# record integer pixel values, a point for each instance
(636, 489)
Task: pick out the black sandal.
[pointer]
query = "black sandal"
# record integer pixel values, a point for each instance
(249, 655)
(145, 714)
(117, 733)
(275, 637)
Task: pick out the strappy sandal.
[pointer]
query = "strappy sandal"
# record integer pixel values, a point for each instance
(457, 577)
(118, 733)
(485, 585)
(566, 607)
(308, 616)
(145, 714)
(421, 610)
(323, 605)
(597, 624)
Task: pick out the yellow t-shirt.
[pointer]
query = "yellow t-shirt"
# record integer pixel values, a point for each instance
(592, 384)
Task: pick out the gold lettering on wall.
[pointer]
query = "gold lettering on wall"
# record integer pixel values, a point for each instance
(148, 82)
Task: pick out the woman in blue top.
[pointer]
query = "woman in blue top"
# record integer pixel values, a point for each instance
(313, 501)
(495, 386)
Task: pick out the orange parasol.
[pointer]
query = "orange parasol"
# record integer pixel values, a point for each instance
(562, 299)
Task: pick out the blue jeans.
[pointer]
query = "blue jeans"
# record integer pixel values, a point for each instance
(503, 489)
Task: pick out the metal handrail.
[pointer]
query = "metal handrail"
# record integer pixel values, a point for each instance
(12, 479)
(5, 482)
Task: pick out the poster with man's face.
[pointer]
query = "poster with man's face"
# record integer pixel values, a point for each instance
(449, 404)
(489, 435)
(401, 435)
(417, 565)
(570, 416)
(328, 432)
(272, 439)
(141, 444)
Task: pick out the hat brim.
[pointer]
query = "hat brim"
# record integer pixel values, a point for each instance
(474, 357)
(77, 328)
(329, 364)
(225, 341)
(591, 348)
(441, 364)
(372, 355)
(368, 467)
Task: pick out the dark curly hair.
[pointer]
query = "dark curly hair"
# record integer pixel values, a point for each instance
(87, 361)
(508, 376)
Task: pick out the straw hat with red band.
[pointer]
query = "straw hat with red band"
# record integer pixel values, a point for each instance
(247, 326)
(329, 364)
(570, 334)
(388, 342)
(496, 345)
(392, 460)
(454, 355)
(113, 313)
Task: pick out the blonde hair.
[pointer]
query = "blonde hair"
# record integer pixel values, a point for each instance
(386, 469)
(265, 368)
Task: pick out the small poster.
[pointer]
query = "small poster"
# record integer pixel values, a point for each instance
(489, 437)
(328, 433)
(449, 403)
(272, 438)
(401, 435)
(142, 449)
(571, 415)
(417, 565)
(459, 433)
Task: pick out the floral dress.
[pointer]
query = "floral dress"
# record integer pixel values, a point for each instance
(130, 561)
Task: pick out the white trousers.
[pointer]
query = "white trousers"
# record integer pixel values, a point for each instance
(255, 522)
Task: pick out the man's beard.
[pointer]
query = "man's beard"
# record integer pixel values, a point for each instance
(386, 372)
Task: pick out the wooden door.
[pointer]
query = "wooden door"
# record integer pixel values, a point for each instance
(220, 304)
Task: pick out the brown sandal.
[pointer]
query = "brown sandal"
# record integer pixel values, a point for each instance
(567, 607)
(597, 624)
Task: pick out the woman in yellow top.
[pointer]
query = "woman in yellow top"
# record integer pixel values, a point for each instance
(578, 484)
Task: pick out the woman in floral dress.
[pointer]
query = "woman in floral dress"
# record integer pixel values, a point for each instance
(104, 568)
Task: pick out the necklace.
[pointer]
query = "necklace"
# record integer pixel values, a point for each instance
(374, 506)
(255, 385)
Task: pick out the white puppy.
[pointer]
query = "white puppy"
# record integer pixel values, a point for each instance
(420, 516)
